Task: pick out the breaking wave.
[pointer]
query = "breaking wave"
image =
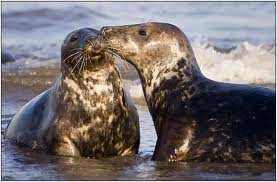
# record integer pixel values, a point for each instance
(246, 63)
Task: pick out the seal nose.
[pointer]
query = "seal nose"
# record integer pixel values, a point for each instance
(93, 45)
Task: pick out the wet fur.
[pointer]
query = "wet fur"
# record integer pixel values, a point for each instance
(196, 119)
(85, 113)
(95, 116)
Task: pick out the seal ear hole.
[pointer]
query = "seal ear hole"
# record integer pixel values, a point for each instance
(142, 32)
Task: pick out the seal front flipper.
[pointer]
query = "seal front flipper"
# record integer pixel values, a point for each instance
(173, 141)
(65, 147)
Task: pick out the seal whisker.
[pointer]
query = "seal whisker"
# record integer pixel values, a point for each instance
(92, 43)
(77, 49)
(113, 49)
(82, 64)
(115, 54)
(76, 64)
(76, 57)
(85, 63)
(75, 53)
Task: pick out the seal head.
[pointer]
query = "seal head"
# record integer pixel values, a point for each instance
(82, 49)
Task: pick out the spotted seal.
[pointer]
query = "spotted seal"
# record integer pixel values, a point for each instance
(196, 119)
(87, 112)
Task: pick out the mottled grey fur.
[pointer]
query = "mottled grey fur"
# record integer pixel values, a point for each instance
(196, 119)
(86, 112)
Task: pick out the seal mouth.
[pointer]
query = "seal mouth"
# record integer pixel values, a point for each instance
(111, 51)
(111, 47)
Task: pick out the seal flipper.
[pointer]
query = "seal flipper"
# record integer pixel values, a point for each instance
(66, 148)
(173, 141)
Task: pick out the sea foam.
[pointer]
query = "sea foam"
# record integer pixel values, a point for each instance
(245, 64)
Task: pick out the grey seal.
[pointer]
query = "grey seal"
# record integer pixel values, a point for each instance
(87, 112)
(196, 119)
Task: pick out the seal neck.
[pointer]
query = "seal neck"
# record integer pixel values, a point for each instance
(102, 70)
(88, 93)
(163, 77)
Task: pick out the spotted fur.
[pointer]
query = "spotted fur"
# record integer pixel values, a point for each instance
(86, 113)
(196, 119)
(95, 115)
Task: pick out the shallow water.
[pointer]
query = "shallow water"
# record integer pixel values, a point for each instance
(33, 32)
(29, 165)
(24, 164)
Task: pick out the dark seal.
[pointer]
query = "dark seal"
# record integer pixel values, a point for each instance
(87, 112)
(196, 119)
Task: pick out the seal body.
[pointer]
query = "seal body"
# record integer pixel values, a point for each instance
(87, 112)
(196, 119)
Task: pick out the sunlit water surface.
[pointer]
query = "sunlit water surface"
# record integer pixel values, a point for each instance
(24, 164)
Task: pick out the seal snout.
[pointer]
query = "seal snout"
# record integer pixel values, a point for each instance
(94, 46)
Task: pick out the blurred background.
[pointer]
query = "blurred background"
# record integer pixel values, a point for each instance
(232, 42)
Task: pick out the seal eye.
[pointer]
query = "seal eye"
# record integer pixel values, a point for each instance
(142, 32)
(73, 38)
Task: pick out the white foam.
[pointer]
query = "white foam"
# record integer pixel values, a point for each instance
(247, 64)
